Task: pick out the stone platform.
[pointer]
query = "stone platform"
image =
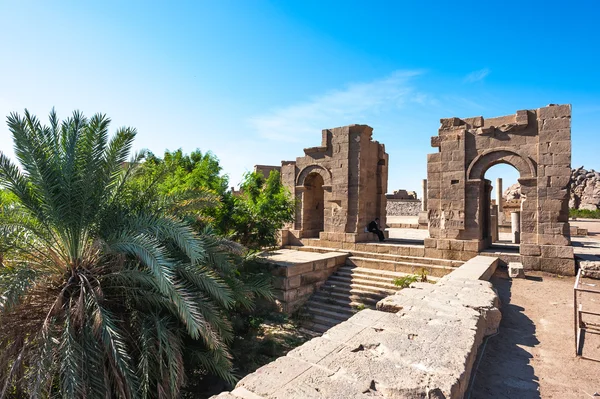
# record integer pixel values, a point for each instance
(423, 345)
(298, 274)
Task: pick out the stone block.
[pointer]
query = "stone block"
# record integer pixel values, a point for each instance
(530, 250)
(564, 267)
(452, 254)
(430, 242)
(297, 269)
(471, 246)
(556, 124)
(552, 239)
(417, 251)
(320, 264)
(457, 245)
(443, 244)
(474, 122)
(564, 252)
(590, 269)
(554, 111)
(515, 270)
(435, 157)
(314, 277)
(530, 262)
(293, 282)
(557, 171)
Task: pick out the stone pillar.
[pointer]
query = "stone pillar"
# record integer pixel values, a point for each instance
(494, 223)
(515, 221)
(424, 195)
(499, 200)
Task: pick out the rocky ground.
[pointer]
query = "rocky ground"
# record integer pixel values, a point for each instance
(533, 356)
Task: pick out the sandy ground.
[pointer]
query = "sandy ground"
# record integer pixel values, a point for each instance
(533, 356)
(593, 225)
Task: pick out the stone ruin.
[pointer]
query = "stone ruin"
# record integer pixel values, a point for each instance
(402, 194)
(535, 142)
(440, 327)
(585, 189)
(339, 186)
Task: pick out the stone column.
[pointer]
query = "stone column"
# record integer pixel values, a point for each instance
(424, 195)
(494, 223)
(499, 200)
(515, 221)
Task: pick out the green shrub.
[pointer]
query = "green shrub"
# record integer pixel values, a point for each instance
(584, 213)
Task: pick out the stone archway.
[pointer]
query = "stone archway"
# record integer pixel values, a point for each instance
(494, 156)
(479, 189)
(537, 143)
(313, 205)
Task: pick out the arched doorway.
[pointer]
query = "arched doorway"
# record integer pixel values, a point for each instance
(505, 198)
(313, 205)
(480, 187)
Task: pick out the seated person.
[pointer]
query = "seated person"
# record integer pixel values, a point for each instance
(373, 227)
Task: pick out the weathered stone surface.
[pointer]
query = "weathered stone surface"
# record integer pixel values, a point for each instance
(584, 191)
(299, 273)
(403, 207)
(538, 144)
(339, 186)
(426, 350)
(590, 269)
(515, 270)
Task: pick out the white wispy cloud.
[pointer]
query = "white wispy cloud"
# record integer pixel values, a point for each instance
(476, 76)
(350, 105)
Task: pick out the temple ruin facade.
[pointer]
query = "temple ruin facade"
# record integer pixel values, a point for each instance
(537, 143)
(339, 186)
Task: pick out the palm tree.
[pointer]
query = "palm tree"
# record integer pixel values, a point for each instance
(100, 291)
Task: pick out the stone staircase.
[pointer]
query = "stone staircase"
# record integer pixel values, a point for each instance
(365, 279)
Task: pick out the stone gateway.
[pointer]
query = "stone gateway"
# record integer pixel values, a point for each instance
(339, 186)
(535, 142)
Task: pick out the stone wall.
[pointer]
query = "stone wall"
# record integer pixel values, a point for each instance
(423, 343)
(584, 189)
(299, 274)
(339, 186)
(403, 207)
(535, 142)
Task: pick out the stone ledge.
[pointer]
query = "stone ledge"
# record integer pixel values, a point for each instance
(426, 349)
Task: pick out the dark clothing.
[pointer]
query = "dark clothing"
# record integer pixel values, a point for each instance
(374, 228)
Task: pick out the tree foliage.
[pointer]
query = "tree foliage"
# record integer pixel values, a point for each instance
(104, 287)
(253, 216)
(250, 217)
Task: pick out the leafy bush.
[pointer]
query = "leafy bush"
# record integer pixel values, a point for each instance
(253, 217)
(406, 281)
(584, 213)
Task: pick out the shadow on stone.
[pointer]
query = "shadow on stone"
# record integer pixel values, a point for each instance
(504, 368)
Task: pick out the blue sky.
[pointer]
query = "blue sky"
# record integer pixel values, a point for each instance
(256, 81)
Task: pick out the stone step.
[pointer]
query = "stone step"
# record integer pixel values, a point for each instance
(345, 298)
(317, 309)
(320, 323)
(406, 258)
(380, 255)
(357, 288)
(403, 267)
(316, 328)
(374, 274)
(356, 279)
